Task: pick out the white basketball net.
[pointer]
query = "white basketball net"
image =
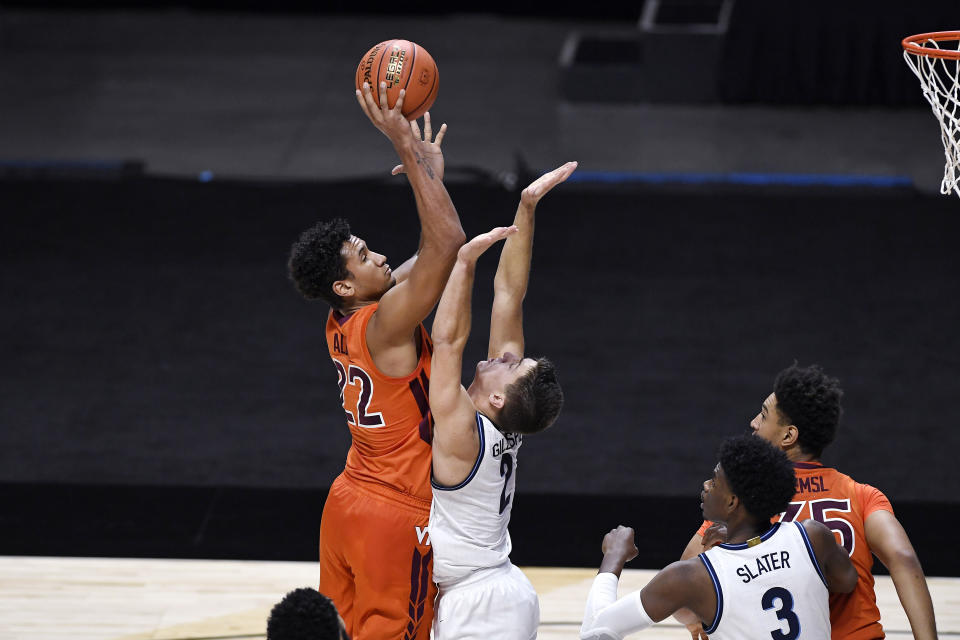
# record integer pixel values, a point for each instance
(940, 80)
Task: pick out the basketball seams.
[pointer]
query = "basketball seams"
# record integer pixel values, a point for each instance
(412, 66)
(383, 54)
(430, 93)
(367, 64)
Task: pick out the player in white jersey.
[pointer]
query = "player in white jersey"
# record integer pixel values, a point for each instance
(476, 435)
(763, 582)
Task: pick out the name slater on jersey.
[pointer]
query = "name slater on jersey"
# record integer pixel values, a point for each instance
(340, 344)
(507, 442)
(811, 485)
(766, 562)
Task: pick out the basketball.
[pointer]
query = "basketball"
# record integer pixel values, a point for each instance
(402, 65)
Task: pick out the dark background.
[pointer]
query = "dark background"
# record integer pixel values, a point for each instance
(166, 393)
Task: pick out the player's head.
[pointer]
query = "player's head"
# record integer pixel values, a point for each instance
(305, 614)
(753, 476)
(803, 411)
(330, 263)
(520, 395)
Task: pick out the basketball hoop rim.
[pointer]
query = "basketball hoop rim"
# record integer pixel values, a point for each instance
(910, 45)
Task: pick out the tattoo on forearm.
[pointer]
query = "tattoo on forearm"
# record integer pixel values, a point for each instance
(426, 165)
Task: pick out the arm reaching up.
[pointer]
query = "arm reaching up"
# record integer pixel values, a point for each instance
(455, 440)
(431, 151)
(513, 272)
(391, 329)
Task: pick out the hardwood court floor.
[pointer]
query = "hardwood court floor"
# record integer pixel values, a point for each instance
(131, 599)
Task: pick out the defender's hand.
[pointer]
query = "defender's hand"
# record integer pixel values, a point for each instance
(391, 122)
(619, 543)
(714, 535)
(429, 150)
(542, 185)
(696, 632)
(471, 251)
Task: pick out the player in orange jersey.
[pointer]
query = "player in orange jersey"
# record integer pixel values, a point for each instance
(375, 555)
(801, 417)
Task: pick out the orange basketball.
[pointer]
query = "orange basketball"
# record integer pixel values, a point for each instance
(402, 65)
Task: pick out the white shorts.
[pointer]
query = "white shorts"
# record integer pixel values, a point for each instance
(499, 603)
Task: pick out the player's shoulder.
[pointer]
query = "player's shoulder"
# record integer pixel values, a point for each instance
(697, 567)
(353, 326)
(814, 530)
(360, 318)
(836, 472)
(860, 490)
(819, 537)
(697, 572)
(861, 486)
(692, 571)
(836, 480)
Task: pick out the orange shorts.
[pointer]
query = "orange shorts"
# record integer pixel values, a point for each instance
(376, 563)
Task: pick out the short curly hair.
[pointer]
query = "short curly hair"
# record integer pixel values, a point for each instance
(810, 400)
(759, 474)
(304, 614)
(316, 261)
(533, 401)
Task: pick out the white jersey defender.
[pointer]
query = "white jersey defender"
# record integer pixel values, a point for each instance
(482, 595)
(768, 589)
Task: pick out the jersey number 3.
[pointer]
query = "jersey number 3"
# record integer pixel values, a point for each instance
(351, 376)
(784, 612)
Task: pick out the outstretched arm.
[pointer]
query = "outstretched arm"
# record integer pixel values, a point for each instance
(888, 540)
(513, 273)
(455, 438)
(410, 301)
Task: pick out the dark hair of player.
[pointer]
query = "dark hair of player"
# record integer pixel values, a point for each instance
(533, 401)
(316, 262)
(810, 400)
(304, 614)
(759, 474)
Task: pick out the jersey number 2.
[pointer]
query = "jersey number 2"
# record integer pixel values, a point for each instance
(506, 470)
(784, 612)
(349, 376)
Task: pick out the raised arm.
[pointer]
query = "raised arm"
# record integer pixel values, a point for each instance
(887, 539)
(431, 151)
(513, 273)
(411, 300)
(455, 437)
(834, 561)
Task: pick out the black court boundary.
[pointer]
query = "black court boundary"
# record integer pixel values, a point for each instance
(282, 524)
